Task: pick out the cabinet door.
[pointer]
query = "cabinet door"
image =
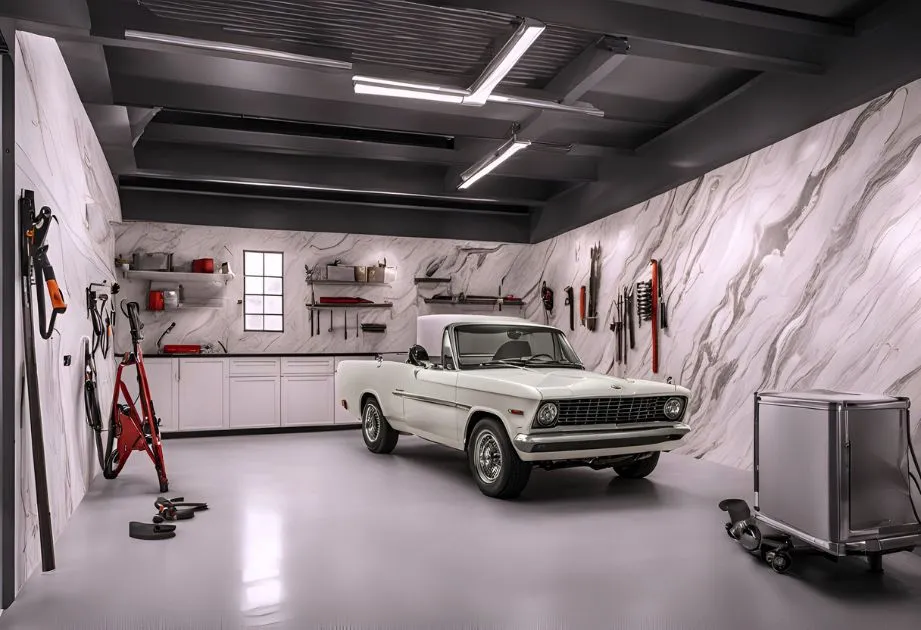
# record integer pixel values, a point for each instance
(307, 400)
(161, 380)
(254, 401)
(201, 394)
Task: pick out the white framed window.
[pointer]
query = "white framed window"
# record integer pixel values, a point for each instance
(263, 291)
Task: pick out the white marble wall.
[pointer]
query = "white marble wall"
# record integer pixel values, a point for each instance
(59, 157)
(477, 268)
(798, 266)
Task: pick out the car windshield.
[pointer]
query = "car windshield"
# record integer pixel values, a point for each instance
(510, 345)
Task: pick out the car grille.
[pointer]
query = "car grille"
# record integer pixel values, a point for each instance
(620, 410)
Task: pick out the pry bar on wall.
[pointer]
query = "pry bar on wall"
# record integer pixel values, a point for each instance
(571, 303)
(34, 259)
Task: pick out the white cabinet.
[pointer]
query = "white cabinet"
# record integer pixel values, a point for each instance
(254, 402)
(306, 399)
(202, 393)
(161, 380)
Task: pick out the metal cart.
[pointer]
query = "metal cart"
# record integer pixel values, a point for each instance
(831, 472)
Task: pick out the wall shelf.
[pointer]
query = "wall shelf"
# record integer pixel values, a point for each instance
(179, 276)
(319, 306)
(426, 280)
(350, 283)
(475, 301)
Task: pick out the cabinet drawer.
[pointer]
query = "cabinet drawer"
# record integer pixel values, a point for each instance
(307, 365)
(254, 367)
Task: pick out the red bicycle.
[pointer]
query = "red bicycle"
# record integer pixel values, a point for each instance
(135, 426)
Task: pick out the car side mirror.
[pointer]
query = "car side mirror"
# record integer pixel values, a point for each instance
(419, 356)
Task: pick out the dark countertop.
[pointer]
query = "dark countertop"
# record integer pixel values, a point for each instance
(269, 355)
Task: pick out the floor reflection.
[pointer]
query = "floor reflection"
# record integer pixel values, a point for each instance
(263, 590)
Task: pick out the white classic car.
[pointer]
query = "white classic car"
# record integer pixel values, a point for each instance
(512, 394)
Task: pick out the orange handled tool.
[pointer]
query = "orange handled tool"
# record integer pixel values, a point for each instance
(582, 305)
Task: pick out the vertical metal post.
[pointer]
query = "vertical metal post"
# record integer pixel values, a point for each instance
(9, 243)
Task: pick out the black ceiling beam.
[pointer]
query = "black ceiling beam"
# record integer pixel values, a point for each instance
(754, 14)
(361, 174)
(320, 216)
(767, 110)
(575, 168)
(111, 18)
(64, 14)
(588, 69)
(661, 33)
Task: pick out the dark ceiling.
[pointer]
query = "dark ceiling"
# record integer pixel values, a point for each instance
(221, 137)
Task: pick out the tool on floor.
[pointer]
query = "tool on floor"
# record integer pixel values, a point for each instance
(654, 294)
(582, 305)
(146, 531)
(663, 311)
(546, 296)
(593, 287)
(135, 430)
(98, 312)
(571, 303)
(34, 261)
(172, 509)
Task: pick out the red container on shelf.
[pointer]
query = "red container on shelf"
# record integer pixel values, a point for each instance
(155, 301)
(203, 265)
(178, 348)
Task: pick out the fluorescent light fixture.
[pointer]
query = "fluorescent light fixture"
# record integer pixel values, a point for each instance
(514, 49)
(421, 87)
(240, 49)
(576, 108)
(385, 90)
(492, 162)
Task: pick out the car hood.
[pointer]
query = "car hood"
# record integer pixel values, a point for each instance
(567, 383)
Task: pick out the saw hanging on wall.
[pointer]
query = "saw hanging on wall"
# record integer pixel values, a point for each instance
(594, 281)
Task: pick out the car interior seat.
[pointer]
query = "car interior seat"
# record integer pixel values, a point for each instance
(514, 349)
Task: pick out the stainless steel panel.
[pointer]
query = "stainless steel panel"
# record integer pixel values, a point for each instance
(793, 467)
(877, 469)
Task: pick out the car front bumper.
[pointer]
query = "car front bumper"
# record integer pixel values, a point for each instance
(581, 444)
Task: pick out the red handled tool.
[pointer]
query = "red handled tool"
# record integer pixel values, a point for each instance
(582, 305)
(655, 315)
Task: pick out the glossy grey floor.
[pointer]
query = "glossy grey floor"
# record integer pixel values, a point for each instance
(311, 530)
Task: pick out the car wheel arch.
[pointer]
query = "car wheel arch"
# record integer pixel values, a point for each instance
(474, 417)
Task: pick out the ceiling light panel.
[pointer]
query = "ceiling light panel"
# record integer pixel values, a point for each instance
(525, 35)
(481, 170)
(398, 92)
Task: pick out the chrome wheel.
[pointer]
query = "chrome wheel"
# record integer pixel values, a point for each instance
(371, 423)
(488, 456)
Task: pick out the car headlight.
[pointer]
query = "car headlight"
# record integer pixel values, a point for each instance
(673, 408)
(546, 415)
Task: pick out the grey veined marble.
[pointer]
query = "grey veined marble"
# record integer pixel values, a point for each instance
(795, 267)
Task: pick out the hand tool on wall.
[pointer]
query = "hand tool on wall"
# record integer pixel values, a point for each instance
(616, 328)
(33, 257)
(593, 286)
(345, 323)
(546, 296)
(629, 312)
(654, 294)
(663, 315)
(99, 317)
(311, 322)
(330, 311)
(571, 303)
(644, 312)
(582, 305)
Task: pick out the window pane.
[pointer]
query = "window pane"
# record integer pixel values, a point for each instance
(273, 286)
(252, 264)
(253, 284)
(253, 322)
(273, 322)
(273, 265)
(254, 305)
(273, 304)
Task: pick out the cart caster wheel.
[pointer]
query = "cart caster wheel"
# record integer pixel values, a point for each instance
(164, 486)
(781, 562)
